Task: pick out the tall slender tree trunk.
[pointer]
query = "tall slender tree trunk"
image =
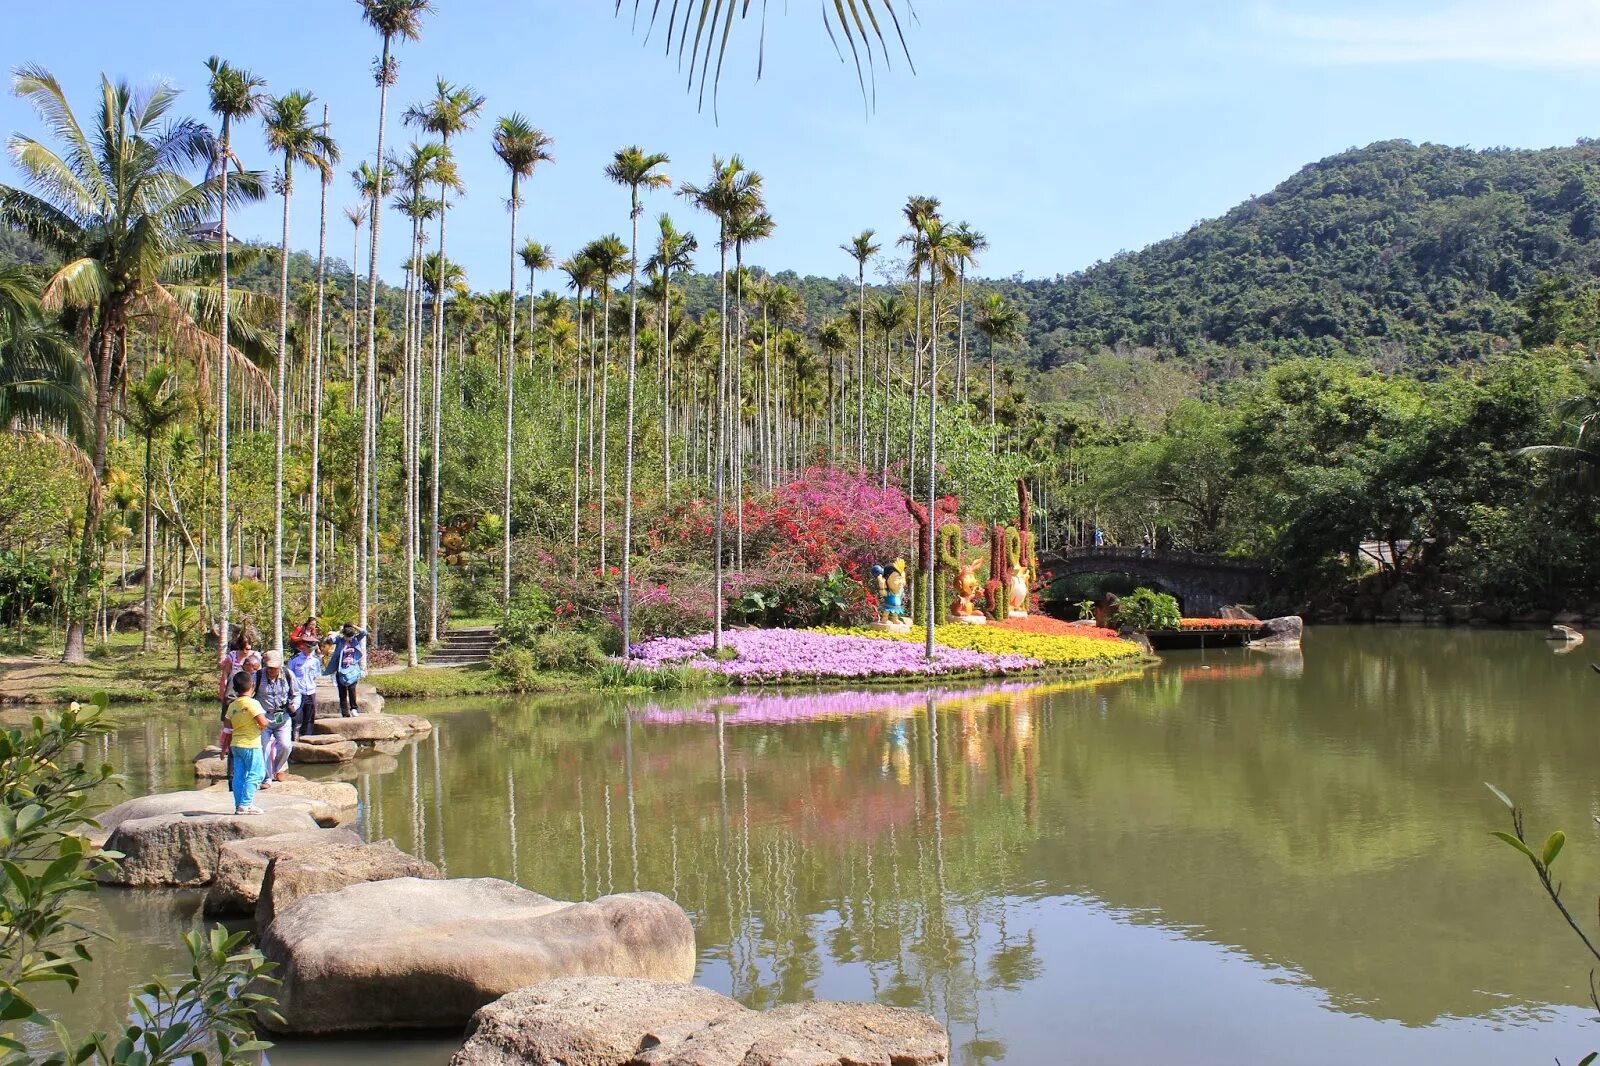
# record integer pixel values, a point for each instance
(367, 490)
(933, 418)
(861, 366)
(916, 377)
(577, 429)
(316, 381)
(224, 575)
(888, 364)
(276, 636)
(408, 422)
(627, 462)
(720, 476)
(738, 404)
(605, 405)
(510, 373)
(147, 623)
(994, 437)
(666, 383)
(436, 441)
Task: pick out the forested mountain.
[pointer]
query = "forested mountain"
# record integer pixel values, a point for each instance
(1402, 253)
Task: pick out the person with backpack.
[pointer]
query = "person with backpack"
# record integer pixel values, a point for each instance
(346, 666)
(276, 692)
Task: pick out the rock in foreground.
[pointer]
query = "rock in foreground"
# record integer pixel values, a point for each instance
(241, 864)
(322, 748)
(297, 874)
(601, 1021)
(182, 849)
(418, 954)
(213, 801)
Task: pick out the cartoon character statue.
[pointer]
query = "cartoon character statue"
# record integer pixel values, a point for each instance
(1019, 592)
(892, 596)
(967, 587)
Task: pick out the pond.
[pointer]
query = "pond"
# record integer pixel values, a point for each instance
(1235, 857)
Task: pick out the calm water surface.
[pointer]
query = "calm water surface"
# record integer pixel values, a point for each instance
(1237, 857)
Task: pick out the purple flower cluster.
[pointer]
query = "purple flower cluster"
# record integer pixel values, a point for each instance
(773, 655)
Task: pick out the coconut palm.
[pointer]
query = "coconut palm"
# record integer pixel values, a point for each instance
(292, 134)
(1000, 322)
(117, 212)
(452, 111)
(520, 147)
(861, 249)
(41, 375)
(609, 257)
(394, 20)
(720, 197)
(235, 96)
(155, 405)
(674, 254)
(635, 169)
(941, 248)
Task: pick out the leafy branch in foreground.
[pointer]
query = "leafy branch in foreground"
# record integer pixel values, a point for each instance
(1542, 861)
(48, 862)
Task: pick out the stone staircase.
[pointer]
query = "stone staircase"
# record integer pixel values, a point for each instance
(463, 647)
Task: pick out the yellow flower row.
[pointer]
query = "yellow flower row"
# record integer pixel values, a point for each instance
(996, 640)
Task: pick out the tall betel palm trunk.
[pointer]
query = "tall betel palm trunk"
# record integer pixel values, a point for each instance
(633, 168)
(318, 341)
(235, 95)
(861, 249)
(520, 146)
(392, 19)
(289, 131)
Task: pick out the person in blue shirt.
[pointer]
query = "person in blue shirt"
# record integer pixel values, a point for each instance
(347, 665)
(305, 668)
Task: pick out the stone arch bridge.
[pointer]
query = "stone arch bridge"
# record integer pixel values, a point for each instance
(1203, 584)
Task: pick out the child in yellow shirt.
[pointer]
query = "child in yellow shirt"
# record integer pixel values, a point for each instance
(248, 721)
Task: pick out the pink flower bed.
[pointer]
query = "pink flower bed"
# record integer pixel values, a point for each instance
(772, 655)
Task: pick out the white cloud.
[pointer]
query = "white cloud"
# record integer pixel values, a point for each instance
(1552, 34)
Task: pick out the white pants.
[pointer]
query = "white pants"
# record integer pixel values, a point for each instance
(279, 742)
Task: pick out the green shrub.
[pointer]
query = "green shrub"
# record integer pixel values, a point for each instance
(1145, 609)
(530, 616)
(568, 650)
(518, 666)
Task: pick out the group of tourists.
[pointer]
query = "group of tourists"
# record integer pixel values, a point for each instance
(268, 704)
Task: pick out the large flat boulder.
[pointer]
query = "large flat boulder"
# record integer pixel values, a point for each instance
(340, 797)
(600, 1021)
(367, 729)
(1282, 632)
(212, 800)
(410, 953)
(323, 748)
(292, 877)
(211, 764)
(241, 864)
(182, 849)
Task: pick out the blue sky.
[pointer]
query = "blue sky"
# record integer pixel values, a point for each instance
(1065, 130)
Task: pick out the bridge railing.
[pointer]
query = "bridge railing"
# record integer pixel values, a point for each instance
(1148, 555)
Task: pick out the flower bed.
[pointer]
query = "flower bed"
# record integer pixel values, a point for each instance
(1054, 650)
(1218, 625)
(1043, 623)
(773, 656)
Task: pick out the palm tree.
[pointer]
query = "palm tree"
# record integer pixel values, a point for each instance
(674, 251)
(720, 197)
(1000, 322)
(750, 222)
(319, 342)
(890, 316)
(917, 211)
(291, 133)
(520, 147)
(41, 375)
(181, 621)
(861, 249)
(969, 242)
(117, 212)
(940, 248)
(535, 257)
(235, 96)
(357, 216)
(452, 110)
(393, 19)
(862, 29)
(610, 258)
(635, 169)
(154, 406)
(580, 274)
